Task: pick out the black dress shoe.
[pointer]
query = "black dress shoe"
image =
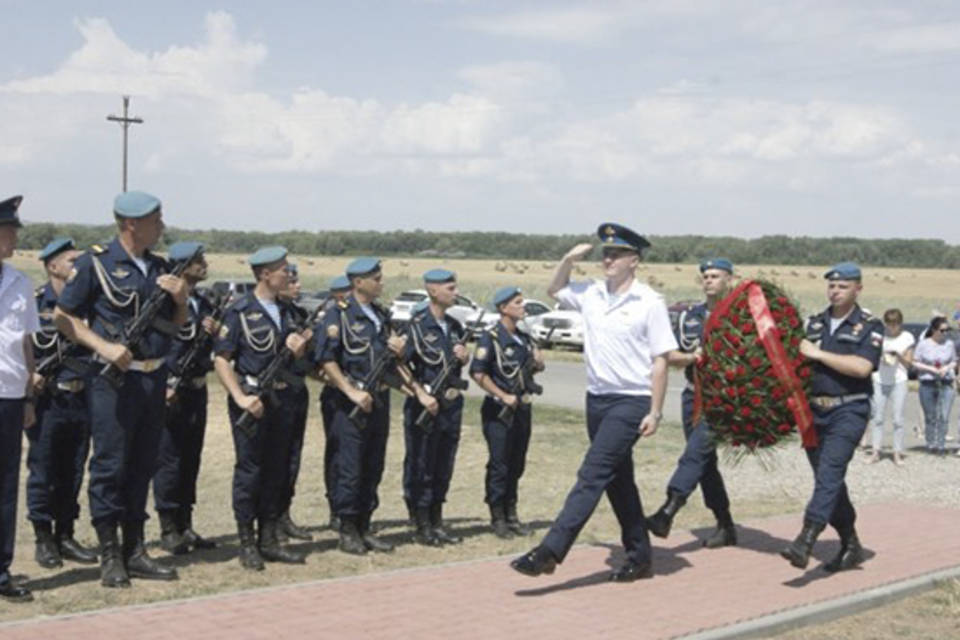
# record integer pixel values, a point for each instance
(632, 571)
(70, 549)
(15, 593)
(47, 552)
(292, 529)
(722, 537)
(535, 562)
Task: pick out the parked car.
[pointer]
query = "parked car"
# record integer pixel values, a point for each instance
(562, 326)
(534, 308)
(311, 301)
(402, 306)
(232, 288)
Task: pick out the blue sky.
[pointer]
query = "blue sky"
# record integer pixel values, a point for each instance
(673, 116)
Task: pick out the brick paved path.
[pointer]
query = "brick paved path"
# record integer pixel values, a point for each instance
(485, 599)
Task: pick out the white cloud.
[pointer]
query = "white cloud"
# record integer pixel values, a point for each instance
(573, 25)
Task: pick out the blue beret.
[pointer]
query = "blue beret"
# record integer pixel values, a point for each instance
(135, 204)
(716, 263)
(180, 251)
(617, 235)
(420, 306)
(8, 211)
(438, 276)
(267, 255)
(363, 266)
(340, 283)
(505, 294)
(293, 270)
(843, 271)
(56, 246)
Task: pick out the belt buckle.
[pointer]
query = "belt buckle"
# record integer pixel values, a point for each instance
(149, 366)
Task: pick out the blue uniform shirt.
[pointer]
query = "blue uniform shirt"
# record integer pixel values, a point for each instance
(107, 289)
(249, 336)
(48, 340)
(690, 326)
(350, 338)
(191, 331)
(860, 334)
(500, 355)
(429, 349)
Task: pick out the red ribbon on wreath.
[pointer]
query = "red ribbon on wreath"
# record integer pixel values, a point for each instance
(773, 346)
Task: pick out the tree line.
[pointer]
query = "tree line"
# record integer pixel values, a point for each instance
(777, 249)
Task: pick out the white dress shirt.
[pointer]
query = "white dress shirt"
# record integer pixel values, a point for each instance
(18, 318)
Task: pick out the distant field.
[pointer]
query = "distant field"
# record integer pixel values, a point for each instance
(915, 291)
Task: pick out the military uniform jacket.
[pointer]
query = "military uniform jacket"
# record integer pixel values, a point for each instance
(107, 288)
(249, 336)
(860, 334)
(429, 348)
(192, 330)
(690, 325)
(351, 339)
(501, 355)
(48, 341)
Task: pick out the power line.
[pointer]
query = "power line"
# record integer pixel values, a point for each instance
(125, 121)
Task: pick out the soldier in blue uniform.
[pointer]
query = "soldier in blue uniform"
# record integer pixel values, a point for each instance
(844, 343)
(103, 294)
(698, 464)
(356, 335)
(60, 441)
(301, 368)
(433, 343)
(500, 356)
(339, 290)
(255, 329)
(181, 444)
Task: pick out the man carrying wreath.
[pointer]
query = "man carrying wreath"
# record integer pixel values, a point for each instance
(844, 342)
(698, 464)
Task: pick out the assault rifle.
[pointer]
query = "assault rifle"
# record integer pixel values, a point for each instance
(133, 334)
(275, 371)
(200, 343)
(384, 363)
(523, 382)
(445, 380)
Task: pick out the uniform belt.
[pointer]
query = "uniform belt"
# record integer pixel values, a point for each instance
(71, 386)
(831, 402)
(142, 366)
(253, 383)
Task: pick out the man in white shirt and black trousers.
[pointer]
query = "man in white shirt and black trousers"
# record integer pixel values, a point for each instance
(626, 341)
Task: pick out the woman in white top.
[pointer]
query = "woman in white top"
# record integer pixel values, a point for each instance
(935, 359)
(890, 383)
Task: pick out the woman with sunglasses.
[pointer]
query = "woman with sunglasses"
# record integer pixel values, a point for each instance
(935, 360)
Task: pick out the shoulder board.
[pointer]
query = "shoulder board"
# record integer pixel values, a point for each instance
(343, 304)
(866, 315)
(97, 249)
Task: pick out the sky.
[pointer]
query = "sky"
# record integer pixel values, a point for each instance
(745, 118)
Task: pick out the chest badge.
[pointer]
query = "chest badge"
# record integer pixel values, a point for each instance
(857, 328)
(430, 337)
(254, 316)
(509, 351)
(357, 327)
(120, 273)
(481, 353)
(333, 331)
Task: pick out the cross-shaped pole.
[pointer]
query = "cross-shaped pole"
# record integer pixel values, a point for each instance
(125, 122)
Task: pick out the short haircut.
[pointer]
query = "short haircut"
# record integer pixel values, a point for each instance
(893, 316)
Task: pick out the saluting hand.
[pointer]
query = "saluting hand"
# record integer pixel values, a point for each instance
(175, 286)
(117, 355)
(579, 252)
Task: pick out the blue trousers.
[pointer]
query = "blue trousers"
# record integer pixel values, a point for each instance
(613, 426)
(432, 454)
(261, 473)
(126, 425)
(11, 441)
(59, 445)
(507, 450)
(327, 409)
(698, 464)
(360, 455)
(301, 410)
(839, 431)
(181, 443)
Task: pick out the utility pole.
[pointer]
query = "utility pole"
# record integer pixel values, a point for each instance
(125, 122)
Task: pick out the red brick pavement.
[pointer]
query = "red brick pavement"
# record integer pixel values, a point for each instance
(694, 589)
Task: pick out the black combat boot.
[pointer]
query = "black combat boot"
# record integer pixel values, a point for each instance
(270, 548)
(372, 542)
(139, 564)
(350, 540)
(440, 530)
(631, 571)
(659, 523)
(411, 512)
(498, 519)
(425, 534)
(70, 549)
(292, 529)
(513, 521)
(170, 539)
(725, 534)
(798, 553)
(47, 553)
(850, 555)
(112, 572)
(535, 562)
(249, 554)
(187, 532)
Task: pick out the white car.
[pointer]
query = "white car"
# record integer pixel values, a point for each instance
(560, 326)
(402, 307)
(534, 308)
